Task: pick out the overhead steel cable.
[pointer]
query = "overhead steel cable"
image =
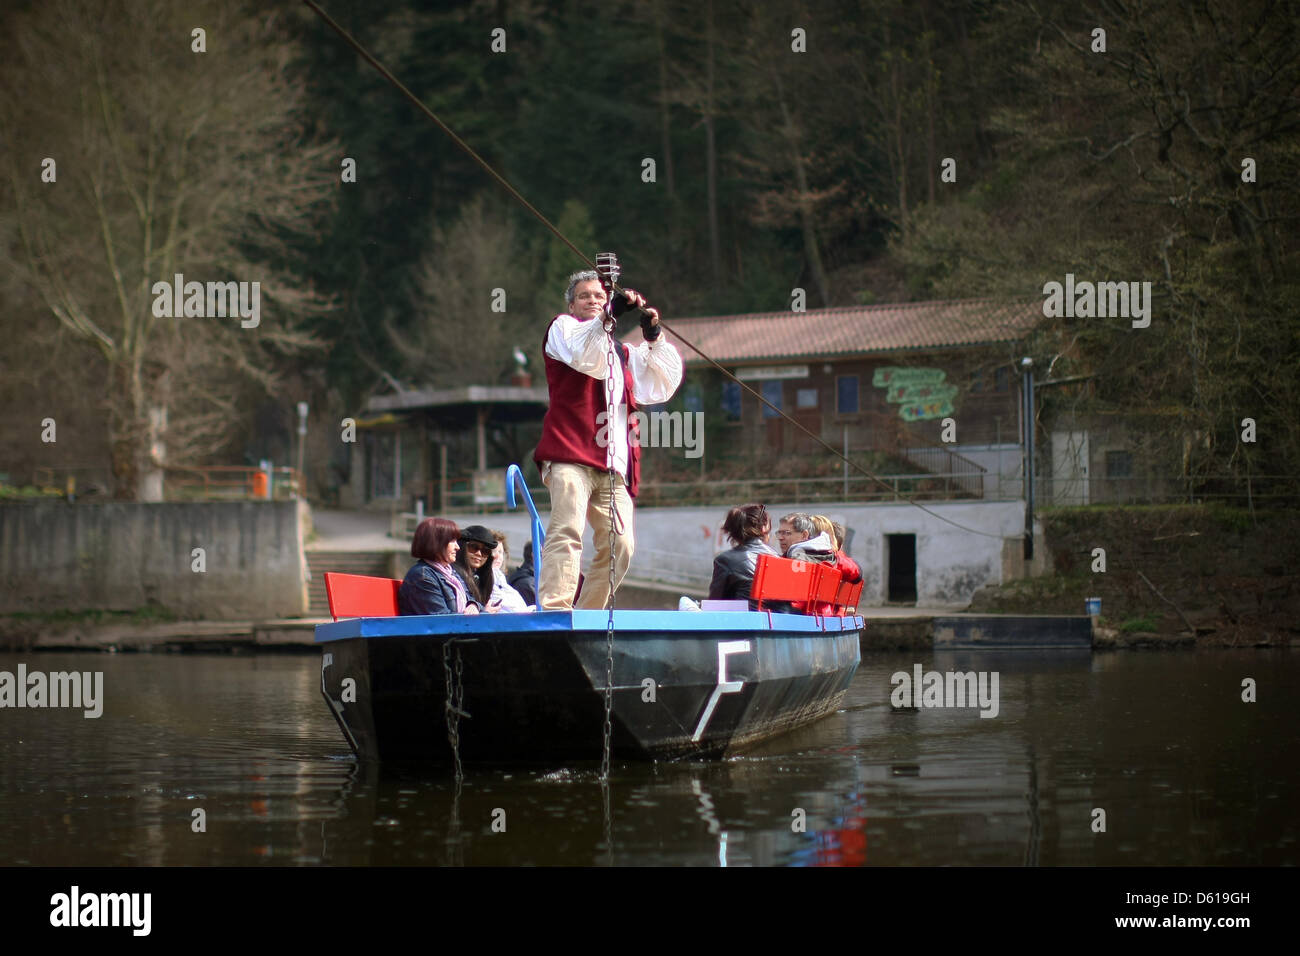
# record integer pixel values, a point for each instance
(505, 184)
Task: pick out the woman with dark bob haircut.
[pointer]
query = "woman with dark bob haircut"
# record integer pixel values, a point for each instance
(432, 586)
(733, 571)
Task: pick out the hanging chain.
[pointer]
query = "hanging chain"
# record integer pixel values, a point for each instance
(609, 823)
(455, 710)
(454, 704)
(612, 365)
(609, 644)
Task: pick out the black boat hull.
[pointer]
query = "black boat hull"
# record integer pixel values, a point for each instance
(685, 685)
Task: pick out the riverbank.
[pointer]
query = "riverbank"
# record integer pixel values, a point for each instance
(153, 632)
(1167, 576)
(1174, 577)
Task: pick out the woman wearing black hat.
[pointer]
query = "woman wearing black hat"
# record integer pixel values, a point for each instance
(474, 562)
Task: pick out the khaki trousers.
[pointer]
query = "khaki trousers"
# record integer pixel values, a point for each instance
(580, 495)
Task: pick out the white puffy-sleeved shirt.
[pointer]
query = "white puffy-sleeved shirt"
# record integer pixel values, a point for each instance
(656, 369)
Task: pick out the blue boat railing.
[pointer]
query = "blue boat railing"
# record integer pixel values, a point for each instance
(513, 474)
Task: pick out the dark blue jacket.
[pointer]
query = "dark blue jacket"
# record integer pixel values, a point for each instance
(425, 591)
(524, 581)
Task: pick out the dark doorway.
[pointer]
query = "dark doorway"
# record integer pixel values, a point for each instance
(901, 561)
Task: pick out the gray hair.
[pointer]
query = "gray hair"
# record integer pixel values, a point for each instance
(586, 275)
(801, 522)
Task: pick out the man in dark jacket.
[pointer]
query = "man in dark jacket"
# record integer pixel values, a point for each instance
(523, 579)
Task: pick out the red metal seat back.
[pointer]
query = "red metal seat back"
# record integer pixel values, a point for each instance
(780, 579)
(854, 595)
(356, 595)
(826, 585)
(842, 596)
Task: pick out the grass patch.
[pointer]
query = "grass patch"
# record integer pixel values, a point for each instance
(1143, 622)
(13, 493)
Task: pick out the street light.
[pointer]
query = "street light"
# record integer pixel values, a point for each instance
(302, 441)
(1027, 364)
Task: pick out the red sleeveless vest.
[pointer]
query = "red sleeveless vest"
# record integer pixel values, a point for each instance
(569, 429)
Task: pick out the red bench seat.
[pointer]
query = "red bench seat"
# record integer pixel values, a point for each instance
(807, 585)
(356, 595)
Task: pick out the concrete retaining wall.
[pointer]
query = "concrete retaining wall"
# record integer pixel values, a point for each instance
(124, 556)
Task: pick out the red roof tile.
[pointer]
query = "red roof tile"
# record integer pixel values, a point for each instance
(858, 330)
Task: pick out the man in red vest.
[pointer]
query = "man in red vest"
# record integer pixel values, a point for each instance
(596, 383)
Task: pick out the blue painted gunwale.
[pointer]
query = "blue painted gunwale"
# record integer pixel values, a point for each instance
(683, 623)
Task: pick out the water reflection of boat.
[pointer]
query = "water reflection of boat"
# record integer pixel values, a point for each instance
(531, 687)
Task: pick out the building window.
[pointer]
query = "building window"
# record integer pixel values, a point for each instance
(846, 395)
(692, 398)
(1002, 379)
(805, 398)
(772, 393)
(731, 401)
(1119, 464)
(977, 381)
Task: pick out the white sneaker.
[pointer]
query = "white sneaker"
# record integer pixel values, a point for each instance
(686, 604)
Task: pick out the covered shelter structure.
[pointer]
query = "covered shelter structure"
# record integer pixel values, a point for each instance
(444, 447)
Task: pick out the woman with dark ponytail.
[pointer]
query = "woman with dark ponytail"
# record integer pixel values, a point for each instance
(733, 571)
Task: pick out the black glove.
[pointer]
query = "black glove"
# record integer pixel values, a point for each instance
(619, 304)
(651, 332)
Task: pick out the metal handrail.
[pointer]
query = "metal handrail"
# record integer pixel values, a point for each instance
(513, 475)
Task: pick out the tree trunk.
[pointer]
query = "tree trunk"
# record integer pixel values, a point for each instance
(664, 112)
(931, 159)
(711, 159)
(125, 437)
(807, 221)
(899, 149)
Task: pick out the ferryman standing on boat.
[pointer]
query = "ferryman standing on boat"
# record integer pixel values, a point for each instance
(582, 441)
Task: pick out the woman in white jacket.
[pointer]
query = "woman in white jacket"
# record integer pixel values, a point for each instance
(505, 597)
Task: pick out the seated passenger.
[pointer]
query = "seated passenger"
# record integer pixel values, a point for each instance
(795, 527)
(503, 595)
(432, 586)
(848, 568)
(733, 571)
(475, 564)
(822, 549)
(523, 579)
(819, 546)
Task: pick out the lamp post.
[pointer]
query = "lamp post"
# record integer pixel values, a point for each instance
(1027, 364)
(302, 441)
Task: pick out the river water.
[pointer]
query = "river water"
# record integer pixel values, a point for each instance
(1161, 742)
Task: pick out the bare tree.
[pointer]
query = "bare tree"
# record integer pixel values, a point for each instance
(150, 141)
(477, 291)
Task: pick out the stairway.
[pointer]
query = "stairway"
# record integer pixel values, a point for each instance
(372, 563)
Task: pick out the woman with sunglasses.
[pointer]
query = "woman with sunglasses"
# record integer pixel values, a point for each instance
(475, 563)
(433, 586)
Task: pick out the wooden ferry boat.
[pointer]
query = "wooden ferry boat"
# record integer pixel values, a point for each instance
(530, 688)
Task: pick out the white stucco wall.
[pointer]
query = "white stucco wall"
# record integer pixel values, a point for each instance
(677, 545)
